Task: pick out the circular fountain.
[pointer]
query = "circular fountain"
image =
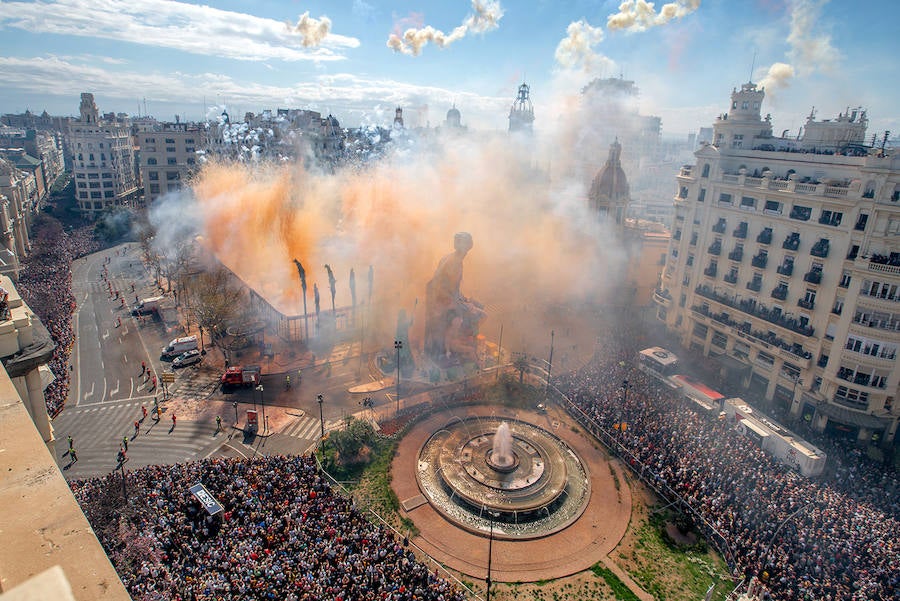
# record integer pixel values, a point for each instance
(512, 476)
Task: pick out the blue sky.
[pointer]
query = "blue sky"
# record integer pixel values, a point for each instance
(246, 56)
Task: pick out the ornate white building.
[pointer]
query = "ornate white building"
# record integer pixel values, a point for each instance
(103, 164)
(785, 265)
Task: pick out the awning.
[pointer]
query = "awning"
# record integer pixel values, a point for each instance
(733, 365)
(854, 418)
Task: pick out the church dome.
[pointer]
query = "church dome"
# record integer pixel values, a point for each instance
(610, 183)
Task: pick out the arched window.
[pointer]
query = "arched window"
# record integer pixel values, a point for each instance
(705, 171)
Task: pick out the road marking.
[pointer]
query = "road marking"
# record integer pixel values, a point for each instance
(105, 336)
(131, 394)
(91, 393)
(78, 357)
(103, 398)
(125, 357)
(116, 390)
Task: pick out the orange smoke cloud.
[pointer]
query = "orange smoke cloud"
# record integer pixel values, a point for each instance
(534, 243)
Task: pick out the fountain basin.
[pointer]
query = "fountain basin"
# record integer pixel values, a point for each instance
(545, 488)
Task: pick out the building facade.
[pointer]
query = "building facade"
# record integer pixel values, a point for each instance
(168, 156)
(103, 160)
(14, 218)
(785, 265)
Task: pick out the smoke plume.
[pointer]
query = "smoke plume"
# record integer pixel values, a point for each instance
(640, 15)
(312, 31)
(486, 17)
(778, 77)
(536, 244)
(809, 52)
(576, 50)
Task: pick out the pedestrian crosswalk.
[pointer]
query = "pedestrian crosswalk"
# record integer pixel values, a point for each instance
(98, 432)
(308, 428)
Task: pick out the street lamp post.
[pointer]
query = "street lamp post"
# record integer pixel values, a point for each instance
(398, 344)
(234, 404)
(320, 400)
(262, 402)
(550, 360)
(490, 555)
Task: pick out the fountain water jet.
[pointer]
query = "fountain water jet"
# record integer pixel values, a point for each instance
(501, 453)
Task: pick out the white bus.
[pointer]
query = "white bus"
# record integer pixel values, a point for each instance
(659, 363)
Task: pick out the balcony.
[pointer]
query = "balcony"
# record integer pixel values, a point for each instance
(780, 292)
(715, 248)
(719, 227)
(760, 261)
(740, 232)
(786, 269)
(792, 242)
(662, 298)
(752, 307)
(765, 236)
(736, 255)
(813, 277)
(820, 249)
(755, 285)
(806, 303)
(731, 278)
(710, 271)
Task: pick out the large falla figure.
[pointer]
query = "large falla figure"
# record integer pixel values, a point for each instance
(451, 319)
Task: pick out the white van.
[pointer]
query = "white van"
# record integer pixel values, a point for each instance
(178, 346)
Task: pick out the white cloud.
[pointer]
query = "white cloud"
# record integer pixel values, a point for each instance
(576, 50)
(640, 15)
(197, 29)
(338, 92)
(486, 17)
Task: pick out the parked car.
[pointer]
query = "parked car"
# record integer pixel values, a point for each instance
(188, 358)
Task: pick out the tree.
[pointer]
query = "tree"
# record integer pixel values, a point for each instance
(521, 365)
(353, 443)
(214, 300)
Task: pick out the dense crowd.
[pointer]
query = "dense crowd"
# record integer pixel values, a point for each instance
(283, 534)
(833, 538)
(45, 285)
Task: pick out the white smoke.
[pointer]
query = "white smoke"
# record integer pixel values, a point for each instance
(486, 17)
(809, 52)
(640, 15)
(577, 49)
(312, 31)
(778, 77)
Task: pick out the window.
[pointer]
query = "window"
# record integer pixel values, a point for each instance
(95, 194)
(725, 198)
(151, 161)
(861, 222)
(748, 203)
(153, 176)
(700, 330)
(738, 140)
(765, 358)
(719, 339)
(189, 140)
(705, 172)
(745, 105)
(172, 175)
(154, 188)
(683, 192)
(845, 279)
(171, 161)
(149, 140)
(170, 140)
(81, 185)
(831, 218)
(107, 184)
(701, 196)
(108, 194)
(801, 213)
(773, 207)
(851, 397)
(191, 161)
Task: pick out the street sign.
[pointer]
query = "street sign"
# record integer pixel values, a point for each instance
(167, 377)
(205, 497)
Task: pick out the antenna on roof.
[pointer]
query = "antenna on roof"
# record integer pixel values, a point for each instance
(752, 66)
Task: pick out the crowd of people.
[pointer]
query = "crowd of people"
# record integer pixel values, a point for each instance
(45, 285)
(283, 534)
(832, 538)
